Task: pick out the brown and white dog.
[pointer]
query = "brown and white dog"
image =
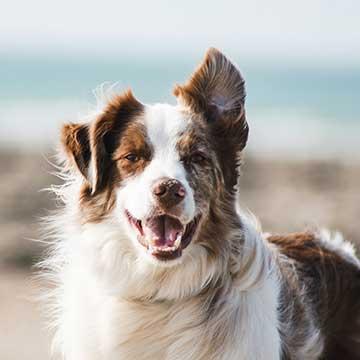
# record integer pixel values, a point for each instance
(152, 259)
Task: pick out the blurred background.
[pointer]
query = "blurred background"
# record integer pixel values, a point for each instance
(301, 62)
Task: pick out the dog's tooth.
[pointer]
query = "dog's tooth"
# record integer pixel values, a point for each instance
(177, 241)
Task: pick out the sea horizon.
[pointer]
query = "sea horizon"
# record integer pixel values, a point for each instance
(293, 110)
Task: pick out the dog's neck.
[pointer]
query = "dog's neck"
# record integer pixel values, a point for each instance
(229, 253)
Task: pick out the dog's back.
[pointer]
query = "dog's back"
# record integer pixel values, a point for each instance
(324, 285)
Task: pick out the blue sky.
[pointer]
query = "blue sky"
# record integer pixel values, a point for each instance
(307, 30)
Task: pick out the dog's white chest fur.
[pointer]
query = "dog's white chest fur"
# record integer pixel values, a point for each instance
(111, 328)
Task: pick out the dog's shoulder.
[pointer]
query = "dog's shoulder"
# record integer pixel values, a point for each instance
(326, 264)
(326, 268)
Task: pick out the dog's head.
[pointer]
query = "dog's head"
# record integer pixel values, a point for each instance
(166, 174)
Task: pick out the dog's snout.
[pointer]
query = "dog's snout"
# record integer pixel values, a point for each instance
(168, 192)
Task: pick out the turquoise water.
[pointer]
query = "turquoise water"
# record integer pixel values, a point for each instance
(334, 92)
(43, 90)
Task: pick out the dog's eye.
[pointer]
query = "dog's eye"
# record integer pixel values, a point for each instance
(197, 158)
(132, 157)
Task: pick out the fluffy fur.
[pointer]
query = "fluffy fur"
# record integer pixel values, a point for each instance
(178, 272)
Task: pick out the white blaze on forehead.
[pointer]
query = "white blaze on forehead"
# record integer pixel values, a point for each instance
(164, 123)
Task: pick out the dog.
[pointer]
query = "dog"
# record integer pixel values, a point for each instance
(152, 258)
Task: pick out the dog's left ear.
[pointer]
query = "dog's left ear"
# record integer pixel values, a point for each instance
(217, 91)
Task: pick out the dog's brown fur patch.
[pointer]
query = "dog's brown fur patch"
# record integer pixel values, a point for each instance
(332, 284)
(106, 133)
(76, 143)
(216, 91)
(95, 145)
(133, 142)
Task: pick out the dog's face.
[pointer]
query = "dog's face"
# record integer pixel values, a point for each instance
(165, 163)
(160, 170)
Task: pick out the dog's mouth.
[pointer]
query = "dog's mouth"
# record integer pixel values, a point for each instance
(164, 236)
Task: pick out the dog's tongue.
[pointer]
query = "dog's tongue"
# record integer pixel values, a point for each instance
(163, 230)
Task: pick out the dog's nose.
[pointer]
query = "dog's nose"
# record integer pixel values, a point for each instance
(169, 192)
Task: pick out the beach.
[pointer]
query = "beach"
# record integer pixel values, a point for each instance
(301, 168)
(62, 62)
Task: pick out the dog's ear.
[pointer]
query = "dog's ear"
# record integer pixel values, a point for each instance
(106, 134)
(90, 147)
(75, 140)
(217, 91)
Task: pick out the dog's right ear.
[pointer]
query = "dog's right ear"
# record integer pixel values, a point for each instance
(89, 147)
(75, 140)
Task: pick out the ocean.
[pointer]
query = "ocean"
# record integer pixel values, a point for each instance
(301, 111)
